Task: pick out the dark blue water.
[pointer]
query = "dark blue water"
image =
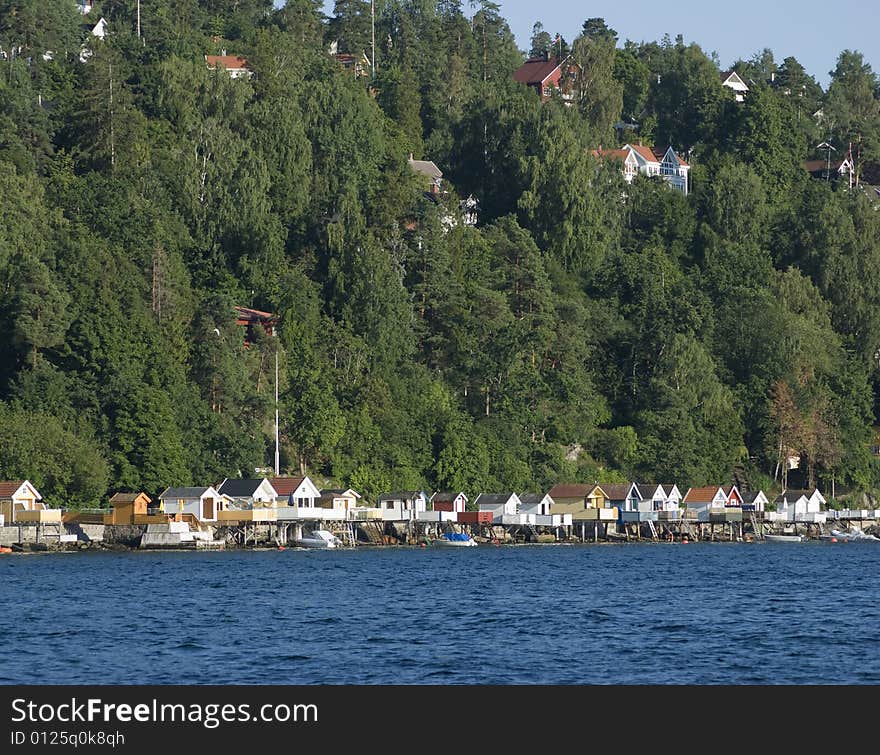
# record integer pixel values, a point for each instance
(596, 614)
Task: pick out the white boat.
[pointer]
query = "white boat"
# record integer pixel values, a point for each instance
(785, 538)
(455, 539)
(855, 535)
(318, 539)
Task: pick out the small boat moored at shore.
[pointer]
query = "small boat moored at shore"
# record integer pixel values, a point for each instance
(785, 538)
(318, 539)
(455, 539)
(853, 536)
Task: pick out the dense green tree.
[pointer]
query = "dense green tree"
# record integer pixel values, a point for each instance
(598, 94)
(851, 111)
(68, 469)
(586, 328)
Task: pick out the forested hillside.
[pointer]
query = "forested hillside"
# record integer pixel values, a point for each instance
(583, 329)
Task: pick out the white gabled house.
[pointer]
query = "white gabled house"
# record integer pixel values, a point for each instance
(235, 65)
(19, 497)
(663, 497)
(650, 161)
(249, 493)
(98, 31)
(500, 505)
(202, 502)
(699, 501)
(800, 506)
(403, 505)
(755, 501)
(732, 80)
(296, 491)
(535, 503)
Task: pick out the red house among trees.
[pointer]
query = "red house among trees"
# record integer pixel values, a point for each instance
(546, 73)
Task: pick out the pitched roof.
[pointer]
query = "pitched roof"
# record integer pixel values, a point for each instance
(531, 497)
(285, 485)
(127, 497)
(726, 75)
(564, 490)
(10, 487)
(616, 491)
(749, 496)
(535, 70)
(240, 488)
(182, 492)
(815, 166)
(229, 62)
(400, 495)
(660, 153)
(445, 496)
(614, 154)
(701, 495)
(645, 153)
(427, 168)
(494, 499)
(248, 315)
(793, 495)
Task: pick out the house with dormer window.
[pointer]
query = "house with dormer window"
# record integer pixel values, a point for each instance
(650, 161)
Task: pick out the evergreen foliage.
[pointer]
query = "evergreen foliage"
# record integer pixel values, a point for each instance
(584, 328)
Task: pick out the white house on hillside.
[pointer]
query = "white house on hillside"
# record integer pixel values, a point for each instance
(650, 161)
(732, 80)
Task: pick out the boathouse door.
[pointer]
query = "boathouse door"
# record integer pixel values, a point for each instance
(208, 508)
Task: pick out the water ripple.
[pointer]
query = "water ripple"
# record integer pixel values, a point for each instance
(630, 614)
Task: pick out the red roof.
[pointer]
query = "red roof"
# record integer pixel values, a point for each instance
(247, 315)
(701, 495)
(229, 62)
(285, 485)
(645, 152)
(8, 488)
(615, 154)
(535, 70)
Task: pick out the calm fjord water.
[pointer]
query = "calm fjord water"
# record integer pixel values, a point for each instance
(704, 613)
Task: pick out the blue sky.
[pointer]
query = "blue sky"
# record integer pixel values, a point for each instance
(814, 32)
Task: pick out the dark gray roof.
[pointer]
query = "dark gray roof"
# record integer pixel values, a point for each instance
(618, 491)
(793, 495)
(446, 495)
(493, 499)
(532, 497)
(182, 492)
(749, 496)
(331, 491)
(240, 488)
